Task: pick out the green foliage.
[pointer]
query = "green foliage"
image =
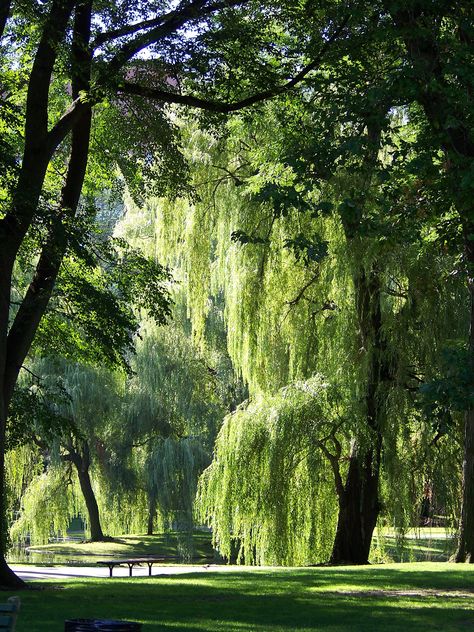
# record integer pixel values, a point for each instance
(290, 283)
(48, 505)
(70, 411)
(93, 314)
(268, 495)
(352, 198)
(170, 412)
(454, 392)
(36, 408)
(172, 470)
(307, 249)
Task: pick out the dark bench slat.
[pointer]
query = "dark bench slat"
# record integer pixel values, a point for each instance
(134, 561)
(5, 622)
(8, 614)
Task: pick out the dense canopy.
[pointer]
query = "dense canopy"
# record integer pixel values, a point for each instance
(237, 271)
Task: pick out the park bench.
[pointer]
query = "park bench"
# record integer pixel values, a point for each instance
(149, 560)
(8, 614)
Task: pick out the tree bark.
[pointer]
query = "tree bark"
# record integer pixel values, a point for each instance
(359, 504)
(16, 341)
(151, 514)
(358, 507)
(465, 549)
(82, 462)
(4, 13)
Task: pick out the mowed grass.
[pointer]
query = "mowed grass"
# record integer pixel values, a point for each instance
(382, 598)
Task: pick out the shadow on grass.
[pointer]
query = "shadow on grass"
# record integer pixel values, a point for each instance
(263, 601)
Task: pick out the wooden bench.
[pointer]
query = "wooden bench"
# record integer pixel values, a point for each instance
(8, 614)
(149, 560)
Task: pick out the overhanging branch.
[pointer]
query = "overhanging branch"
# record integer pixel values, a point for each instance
(225, 108)
(130, 29)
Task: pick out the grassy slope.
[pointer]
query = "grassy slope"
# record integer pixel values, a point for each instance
(323, 599)
(127, 546)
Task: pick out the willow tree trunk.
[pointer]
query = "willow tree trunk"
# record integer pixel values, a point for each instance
(358, 508)
(151, 515)
(465, 550)
(81, 461)
(359, 503)
(97, 534)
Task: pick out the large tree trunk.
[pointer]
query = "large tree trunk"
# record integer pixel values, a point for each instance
(465, 550)
(358, 508)
(40, 145)
(359, 504)
(82, 462)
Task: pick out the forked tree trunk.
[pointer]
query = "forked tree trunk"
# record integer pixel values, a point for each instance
(82, 463)
(358, 498)
(358, 508)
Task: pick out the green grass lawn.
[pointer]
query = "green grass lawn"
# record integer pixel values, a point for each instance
(383, 598)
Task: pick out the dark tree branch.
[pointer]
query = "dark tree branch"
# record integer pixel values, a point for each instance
(302, 292)
(4, 14)
(65, 124)
(225, 108)
(334, 463)
(36, 377)
(39, 292)
(134, 46)
(130, 29)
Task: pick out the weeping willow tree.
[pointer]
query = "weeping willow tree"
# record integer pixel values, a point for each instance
(316, 280)
(178, 394)
(169, 413)
(268, 494)
(71, 448)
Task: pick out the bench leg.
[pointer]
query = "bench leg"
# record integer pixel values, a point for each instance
(130, 566)
(149, 568)
(110, 571)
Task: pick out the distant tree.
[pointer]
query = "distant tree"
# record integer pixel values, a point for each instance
(70, 429)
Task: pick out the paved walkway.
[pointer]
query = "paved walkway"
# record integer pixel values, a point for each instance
(31, 572)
